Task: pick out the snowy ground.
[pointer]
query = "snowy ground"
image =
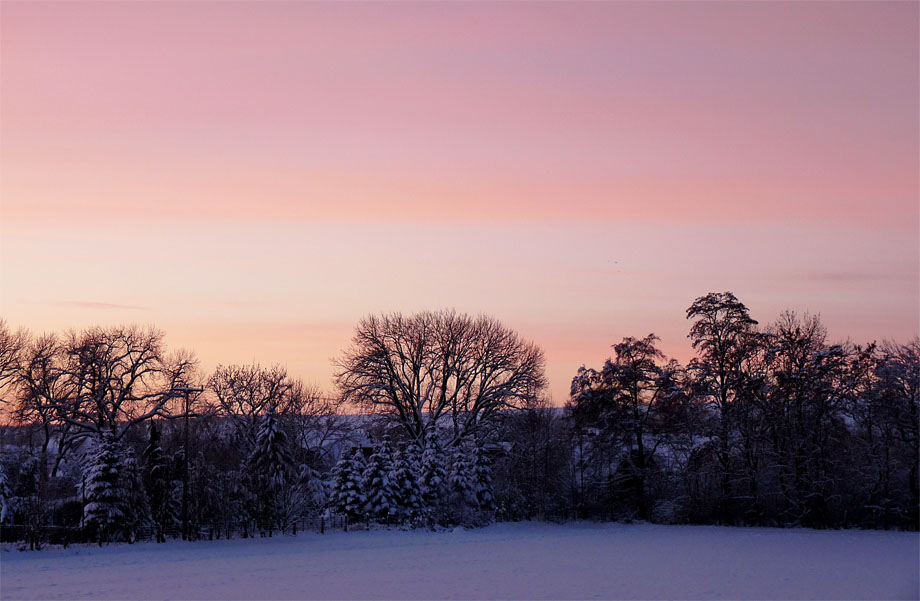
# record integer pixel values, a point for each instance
(505, 561)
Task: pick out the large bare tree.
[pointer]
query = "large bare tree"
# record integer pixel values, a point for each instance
(421, 368)
(117, 377)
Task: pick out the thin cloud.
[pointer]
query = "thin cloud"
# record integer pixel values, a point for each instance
(107, 306)
(855, 276)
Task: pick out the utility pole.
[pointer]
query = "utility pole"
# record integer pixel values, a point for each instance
(186, 390)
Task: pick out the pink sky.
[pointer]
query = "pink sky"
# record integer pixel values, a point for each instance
(255, 177)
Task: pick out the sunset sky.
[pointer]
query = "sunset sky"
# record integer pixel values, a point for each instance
(253, 178)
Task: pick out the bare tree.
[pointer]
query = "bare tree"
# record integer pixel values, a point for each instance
(11, 344)
(184, 386)
(117, 377)
(243, 393)
(420, 368)
(534, 477)
(43, 390)
(803, 413)
(314, 420)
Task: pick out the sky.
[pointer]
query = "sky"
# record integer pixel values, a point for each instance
(255, 177)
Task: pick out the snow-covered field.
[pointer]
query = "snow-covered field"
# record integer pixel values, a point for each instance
(504, 561)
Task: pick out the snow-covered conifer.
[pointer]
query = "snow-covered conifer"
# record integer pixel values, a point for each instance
(116, 504)
(271, 457)
(461, 482)
(408, 484)
(30, 502)
(348, 498)
(139, 514)
(378, 483)
(314, 489)
(160, 486)
(482, 484)
(271, 470)
(434, 478)
(5, 495)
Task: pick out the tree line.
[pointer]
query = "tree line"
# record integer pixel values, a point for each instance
(765, 426)
(441, 418)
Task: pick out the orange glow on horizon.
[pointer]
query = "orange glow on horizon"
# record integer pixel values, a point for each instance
(253, 178)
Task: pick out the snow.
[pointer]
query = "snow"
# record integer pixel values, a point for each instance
(507, 561)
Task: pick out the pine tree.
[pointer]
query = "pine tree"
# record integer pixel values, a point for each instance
(378, 484)
(304, 498)
(482, 484)
(160, 486)
(270, 468)
(5, 494)
(461, 485)
(116, 505)
(348, 498)
(408, 485)
(434, 478)
(139, 514)
(30, 502)
(211, 502)
(105, 507)
(315, 489)
(236, 501)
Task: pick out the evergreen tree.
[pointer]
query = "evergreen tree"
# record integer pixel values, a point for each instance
(348, 498)
(160, 486)
(212, 502)
(482, 481)
(461, 485)
(233, 508)
(408, 485)
(5, 494)
(315, 489)
(116, 505)
(271, 470)
(378, 483)
(139, 515)
(434, 478)
(30, 502)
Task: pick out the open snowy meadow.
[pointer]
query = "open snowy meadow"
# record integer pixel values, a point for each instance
(504, 561)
